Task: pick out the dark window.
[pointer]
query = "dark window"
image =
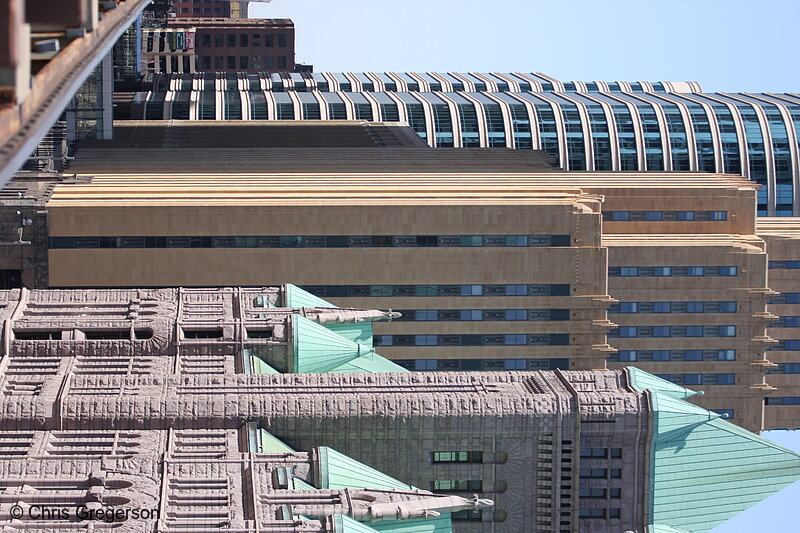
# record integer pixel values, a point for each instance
(232, 62)
(243, 62)
(206, 62)
(10, 279)
(243, 39)
(281, 40)
(457, 485)
(457, 457)
(218, 40)
(215, 333)
(268, 41)
(263, 333)
(27, 335)
(108, 334)
(281, 61)
(206, 39)
(231, 39)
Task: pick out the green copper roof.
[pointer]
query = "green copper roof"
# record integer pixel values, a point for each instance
(255, 365)
(299, 484)
(271, 443)
(437, 524)
(360, 332)
(297, 297)
(345, 524)
(318, 349)
(371, 363)
(338, 471)
(705, 470)
(642, 381)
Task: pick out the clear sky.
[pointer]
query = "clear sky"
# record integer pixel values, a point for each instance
(728, 46)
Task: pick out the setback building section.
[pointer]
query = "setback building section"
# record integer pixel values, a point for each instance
(500, 250)
(782, 236)
(583, 125)
(691, 308)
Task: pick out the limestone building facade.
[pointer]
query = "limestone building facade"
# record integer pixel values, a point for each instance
(181, 408)
(494, 260)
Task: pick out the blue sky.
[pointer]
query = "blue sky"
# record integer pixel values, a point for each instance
(728, 46)
(725, 45)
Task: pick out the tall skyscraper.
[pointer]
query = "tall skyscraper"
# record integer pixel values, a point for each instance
(602, 126)
(191, 409)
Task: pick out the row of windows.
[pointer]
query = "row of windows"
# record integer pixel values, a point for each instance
(600, 494)
(466, 365)
(628, 356)
(599, 513)
(457, 457)
(675, 271)
(789, 345)
(784, 265)
(515, 339)
(244, 39)
(786, 322)
(601, 473)
(366, 84)
(786, 368)
(229, 62)
(457, 485)
(601, 453)
(700, 379)
(786, 298)
(673, 331)
(341, 291)
(673, 307)
(664, 215)
(455, 315)
(782, 400)
(314, 241)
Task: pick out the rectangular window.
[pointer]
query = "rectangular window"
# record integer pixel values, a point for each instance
(592, 513)
(243, 62)
(281, 40)
(218, 40)
(212, 333)
(471, 314)
(594, 473)
(231, 39)
(457, 457)
(232, 62)
(206, 61)
(281, 61)
(243, 39)
(206, 39)
(660, 355)
(457, 485)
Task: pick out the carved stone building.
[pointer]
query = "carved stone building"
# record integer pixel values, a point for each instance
(170, 409)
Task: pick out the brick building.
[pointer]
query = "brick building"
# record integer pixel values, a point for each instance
(219, 45)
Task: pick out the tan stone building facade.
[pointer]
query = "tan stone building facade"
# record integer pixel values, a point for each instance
(495, 261)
